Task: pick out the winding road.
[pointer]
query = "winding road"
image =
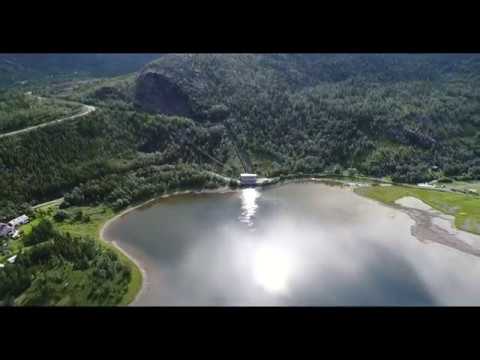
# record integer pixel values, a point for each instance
(87, 109)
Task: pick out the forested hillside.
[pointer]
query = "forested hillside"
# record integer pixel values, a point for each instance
(20, 110)
(412, 117)
(44, 164)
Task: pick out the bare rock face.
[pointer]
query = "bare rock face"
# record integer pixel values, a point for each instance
(109, 93)
(156, 93)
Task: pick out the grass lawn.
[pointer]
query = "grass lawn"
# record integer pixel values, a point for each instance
(98, 216)
(465, 208)
(464, 185)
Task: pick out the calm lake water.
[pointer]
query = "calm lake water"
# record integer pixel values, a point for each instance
(298, 244)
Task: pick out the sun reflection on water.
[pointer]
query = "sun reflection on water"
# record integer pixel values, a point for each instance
(272, 268)
(249, 198)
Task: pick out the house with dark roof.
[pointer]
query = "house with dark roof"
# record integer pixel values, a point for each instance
(6, 230)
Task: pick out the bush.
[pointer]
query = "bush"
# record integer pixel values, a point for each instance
(42, 232)
(60, 215)
(351, 172)
(337, 170)
(78, 215)
(445, 179)
(210, 185)
(120, 204)
(64, 204)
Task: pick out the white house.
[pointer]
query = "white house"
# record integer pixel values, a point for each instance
(11, 259)
(426, 185)
(248, 179)
(21, 220)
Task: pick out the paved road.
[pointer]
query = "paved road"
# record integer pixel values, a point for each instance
(87, 109)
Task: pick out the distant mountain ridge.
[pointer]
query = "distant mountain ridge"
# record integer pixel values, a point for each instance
(15, 68)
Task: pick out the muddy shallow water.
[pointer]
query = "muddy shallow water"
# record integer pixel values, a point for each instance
(296, 244)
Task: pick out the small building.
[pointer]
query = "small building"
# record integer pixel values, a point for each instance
(21, 220)
(248, 179)
(426, 185)
(12, 259)
(6, 230)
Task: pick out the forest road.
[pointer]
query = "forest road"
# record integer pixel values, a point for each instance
(87, 109)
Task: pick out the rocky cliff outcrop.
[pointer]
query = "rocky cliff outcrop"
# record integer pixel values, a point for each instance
(156, 93)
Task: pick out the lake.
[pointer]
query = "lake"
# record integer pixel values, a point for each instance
(300, 244)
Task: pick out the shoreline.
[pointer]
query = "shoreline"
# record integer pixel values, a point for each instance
(124, 212)
(130, 257)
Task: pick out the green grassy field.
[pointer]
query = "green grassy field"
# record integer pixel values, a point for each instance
(464, 185)
(465, 208)
(98, 217)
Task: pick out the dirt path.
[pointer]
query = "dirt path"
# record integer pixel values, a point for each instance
(48, 203)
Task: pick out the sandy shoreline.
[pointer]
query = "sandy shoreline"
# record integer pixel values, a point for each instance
(124, 252)
(138, 263)
(433, 226)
